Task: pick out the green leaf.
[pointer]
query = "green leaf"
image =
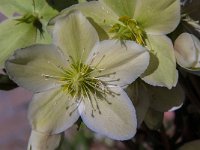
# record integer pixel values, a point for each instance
(163, 99)
(140, 98)
(6, 83)
(153, 119)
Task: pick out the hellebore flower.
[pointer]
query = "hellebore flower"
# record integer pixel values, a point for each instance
(187, 51)
(80, 76)
(143, 21)
(26, 28)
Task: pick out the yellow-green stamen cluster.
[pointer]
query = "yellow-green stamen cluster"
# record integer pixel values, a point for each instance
(79, 83)
(129, 29)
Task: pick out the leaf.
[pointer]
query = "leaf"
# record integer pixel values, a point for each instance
(163, 99)
(6, 83)
(140, 98)
(27, 29)
(153, 119)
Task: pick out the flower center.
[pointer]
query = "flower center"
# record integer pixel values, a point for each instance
(33, 19)
(129, 29)
(79, 82)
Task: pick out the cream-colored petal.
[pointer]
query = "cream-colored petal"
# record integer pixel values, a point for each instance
(28, 67)
(187, 51)
(158, 17)
(121, 7)
(43, 141)
(103, 15)
(123, 61)
(74, 35)
(52, 111)
(165, 74)
(116, 120)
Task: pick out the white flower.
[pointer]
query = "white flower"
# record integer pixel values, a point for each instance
(80, 76)
(187, 50)
(143, 21)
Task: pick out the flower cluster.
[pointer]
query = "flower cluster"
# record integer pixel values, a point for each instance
(99, 49)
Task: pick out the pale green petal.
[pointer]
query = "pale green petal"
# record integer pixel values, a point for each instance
(166, 74)
(124, 61)
(43, 141)
(94, 11)
(153, 119)
(44, 9)
(10, 7)
(192, 145)
(163, 99)
(44, 38)
(187, 50)
(116, 120)
(29, 66)
(140, 97)
(14, 36)
(75, 36)
(158, 17)
(23, 7)
(121, 7)
(52, 111)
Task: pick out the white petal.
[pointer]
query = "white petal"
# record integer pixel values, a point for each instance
(116, 120)
(187, 50)
(43, 141)
(28, 66)
(127, 60)
(48, 111)
(158, 17)
(165, 74)
(74, 35)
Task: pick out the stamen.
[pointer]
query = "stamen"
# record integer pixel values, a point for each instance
(129, 29)
(97, 105)
(52, 77)
(93, 57)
